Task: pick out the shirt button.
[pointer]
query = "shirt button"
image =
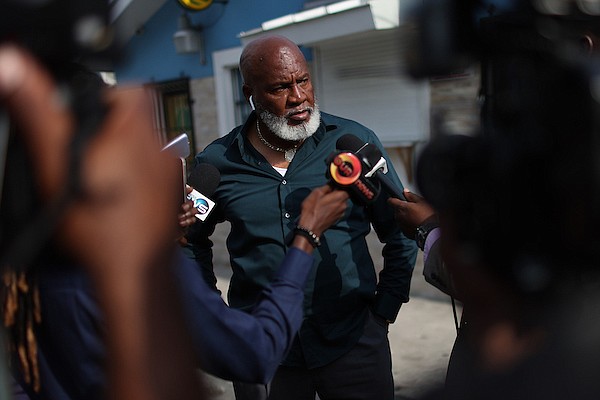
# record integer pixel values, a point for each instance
(284, 182)
(287, 215)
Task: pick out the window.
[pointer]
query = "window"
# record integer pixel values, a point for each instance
(241, 107)
(172, 109)
(225, 62)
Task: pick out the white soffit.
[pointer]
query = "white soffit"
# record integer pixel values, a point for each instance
(331, 21)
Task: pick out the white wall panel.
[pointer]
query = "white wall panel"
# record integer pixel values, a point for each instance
(361, 77)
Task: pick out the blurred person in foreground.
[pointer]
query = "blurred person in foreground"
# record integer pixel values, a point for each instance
(518, 207)
(524, 265)
(147, 343)
(518, 202)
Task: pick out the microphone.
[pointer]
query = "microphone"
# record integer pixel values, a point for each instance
(204, 180)
(373, 159)
(346, 170)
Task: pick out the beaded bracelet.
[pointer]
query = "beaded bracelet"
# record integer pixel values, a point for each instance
(312, 237)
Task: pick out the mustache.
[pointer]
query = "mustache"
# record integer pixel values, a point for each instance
(293, 112)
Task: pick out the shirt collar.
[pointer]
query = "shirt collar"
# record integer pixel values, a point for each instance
(240, 137)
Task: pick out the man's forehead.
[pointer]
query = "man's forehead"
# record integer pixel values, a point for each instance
(273, 58)
(283, 63)
(285, 74)
(286, 55)
(283, 55)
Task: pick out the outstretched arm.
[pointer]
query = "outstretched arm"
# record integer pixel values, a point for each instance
(250, 346)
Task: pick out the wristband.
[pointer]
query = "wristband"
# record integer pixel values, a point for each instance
(423, 231)
(312, 237)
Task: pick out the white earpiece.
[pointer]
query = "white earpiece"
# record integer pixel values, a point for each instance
(251, 103)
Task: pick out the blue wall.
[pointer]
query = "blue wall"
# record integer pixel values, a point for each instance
(151, 55)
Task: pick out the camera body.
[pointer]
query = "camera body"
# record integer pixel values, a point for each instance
(446, 35)
(59, 30)
(524, 191)
(66, 36)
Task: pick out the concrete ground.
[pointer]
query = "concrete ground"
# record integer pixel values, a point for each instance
(421, 338)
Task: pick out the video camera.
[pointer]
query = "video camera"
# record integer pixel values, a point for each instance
(59, 30)
(66, 36)
(447, 35)
(525, 190)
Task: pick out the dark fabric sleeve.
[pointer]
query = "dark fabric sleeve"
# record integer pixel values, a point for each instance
(71, 351)
(199, 246)
(435, 271)
(235, 345)
(399, 252)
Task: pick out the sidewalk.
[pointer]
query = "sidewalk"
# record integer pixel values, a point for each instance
(421, 338)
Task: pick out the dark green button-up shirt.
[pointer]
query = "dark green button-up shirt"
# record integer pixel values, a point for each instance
(263, 206)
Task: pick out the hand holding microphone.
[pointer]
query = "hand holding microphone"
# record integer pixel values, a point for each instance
(203, 182)
(186, 216)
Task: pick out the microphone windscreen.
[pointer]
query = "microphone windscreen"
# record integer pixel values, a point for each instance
(367, 151)
(349, 142)
(371, 154)
(205, 179)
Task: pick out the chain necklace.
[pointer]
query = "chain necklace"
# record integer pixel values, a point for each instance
(288, 154)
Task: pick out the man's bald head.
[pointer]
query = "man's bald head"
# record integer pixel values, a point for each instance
(263, 52)
(277, 83)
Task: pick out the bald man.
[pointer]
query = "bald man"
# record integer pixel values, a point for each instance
(268, 166)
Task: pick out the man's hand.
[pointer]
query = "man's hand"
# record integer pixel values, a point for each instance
(411, 213)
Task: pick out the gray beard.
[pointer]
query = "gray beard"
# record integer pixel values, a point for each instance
(280, 128)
